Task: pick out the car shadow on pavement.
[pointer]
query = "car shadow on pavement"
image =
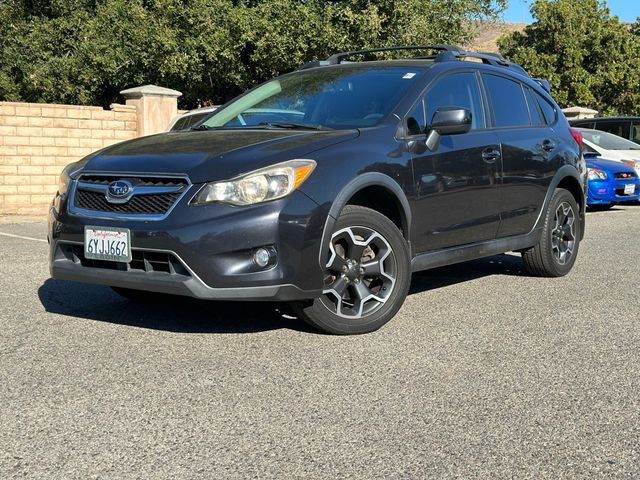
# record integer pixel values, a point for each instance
(188, 315)
(506, 264)
(172, 313)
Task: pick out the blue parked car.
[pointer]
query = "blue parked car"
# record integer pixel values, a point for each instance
(610, 182)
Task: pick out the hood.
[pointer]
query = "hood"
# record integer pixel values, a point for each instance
(211, 155)
(612, 166)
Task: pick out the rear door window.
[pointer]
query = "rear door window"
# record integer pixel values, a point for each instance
(548, 110)
(507, 100)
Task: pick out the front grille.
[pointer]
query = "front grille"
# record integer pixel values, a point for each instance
(151, 195)
(138, 181)
(624, 175)
(142, 261)
(139, 204)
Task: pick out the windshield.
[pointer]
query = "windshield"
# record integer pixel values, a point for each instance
(608, 141)
(327, 97)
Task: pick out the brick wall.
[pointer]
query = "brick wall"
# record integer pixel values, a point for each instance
(38, 140)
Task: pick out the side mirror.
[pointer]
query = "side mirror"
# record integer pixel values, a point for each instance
(451, 120)
(590, 155)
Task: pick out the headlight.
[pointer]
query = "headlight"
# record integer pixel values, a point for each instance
(262, 185)
(68, 174)
(596, 174)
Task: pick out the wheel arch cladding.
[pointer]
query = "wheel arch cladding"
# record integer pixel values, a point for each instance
(568, 178)
(383, 201)
(376, 191)
(572, 185)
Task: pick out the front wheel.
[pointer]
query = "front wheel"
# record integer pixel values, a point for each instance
(557, 250)
(367, 275)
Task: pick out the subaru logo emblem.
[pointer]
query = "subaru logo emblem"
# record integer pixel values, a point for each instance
(120, 189)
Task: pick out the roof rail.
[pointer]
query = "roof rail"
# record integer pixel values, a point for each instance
(544, 83)
(340, 57)
(494, 59)
(447, 53)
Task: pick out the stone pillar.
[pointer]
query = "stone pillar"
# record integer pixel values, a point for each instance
(155, 107)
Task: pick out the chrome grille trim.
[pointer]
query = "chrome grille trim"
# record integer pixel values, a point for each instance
(163, 192)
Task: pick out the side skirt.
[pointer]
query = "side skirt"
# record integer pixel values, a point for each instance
(449, 256)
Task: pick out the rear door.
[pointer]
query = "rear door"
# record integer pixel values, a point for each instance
(528, 146)
(457, 185)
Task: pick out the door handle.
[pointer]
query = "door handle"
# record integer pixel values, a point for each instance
(490, 155)
(548, 145)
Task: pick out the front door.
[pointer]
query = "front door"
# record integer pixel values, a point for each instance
(457, 184)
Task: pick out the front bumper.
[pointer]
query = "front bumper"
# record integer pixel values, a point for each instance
(202, 251)
(611, 191)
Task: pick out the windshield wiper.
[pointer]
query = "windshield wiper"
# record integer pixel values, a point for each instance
(292, 126)
(202, 127)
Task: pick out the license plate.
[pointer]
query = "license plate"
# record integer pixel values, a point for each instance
(629, 189)
(107, 243)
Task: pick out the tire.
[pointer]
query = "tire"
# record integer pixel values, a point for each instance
(557, 250)
(367, 276)
(142, 296)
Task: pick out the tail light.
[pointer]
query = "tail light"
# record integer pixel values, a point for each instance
(577, 136)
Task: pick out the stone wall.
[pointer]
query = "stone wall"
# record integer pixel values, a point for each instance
(37, 140)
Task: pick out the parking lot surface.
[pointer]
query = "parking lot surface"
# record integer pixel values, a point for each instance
(485, 373)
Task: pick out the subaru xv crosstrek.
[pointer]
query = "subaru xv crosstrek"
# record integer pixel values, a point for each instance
(328, 186)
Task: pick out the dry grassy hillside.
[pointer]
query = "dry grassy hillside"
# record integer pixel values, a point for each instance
(487, 34)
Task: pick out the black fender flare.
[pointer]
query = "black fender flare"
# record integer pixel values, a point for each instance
(362, 181)
(562, 173)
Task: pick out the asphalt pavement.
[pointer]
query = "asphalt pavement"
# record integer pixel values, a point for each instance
(485, 373)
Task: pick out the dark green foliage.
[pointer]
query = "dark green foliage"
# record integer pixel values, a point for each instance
(590, 58)
(86, 51)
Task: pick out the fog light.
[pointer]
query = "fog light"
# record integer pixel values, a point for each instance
(262, 257)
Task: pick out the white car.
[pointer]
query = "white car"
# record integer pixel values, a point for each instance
(189, 119)
(611, 147)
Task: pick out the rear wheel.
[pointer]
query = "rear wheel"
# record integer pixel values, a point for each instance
(367, 275)
(556, 252)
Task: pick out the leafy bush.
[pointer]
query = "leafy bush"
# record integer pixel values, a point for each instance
(590, 58)
(86, 51)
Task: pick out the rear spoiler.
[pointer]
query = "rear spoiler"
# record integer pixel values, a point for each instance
(544, 83)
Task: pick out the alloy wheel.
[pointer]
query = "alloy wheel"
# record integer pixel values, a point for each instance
(563, 237)
(360, 274)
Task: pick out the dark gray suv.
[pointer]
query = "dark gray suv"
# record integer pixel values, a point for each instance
(327, 187)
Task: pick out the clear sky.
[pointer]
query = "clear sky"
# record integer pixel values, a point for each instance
(627, 10)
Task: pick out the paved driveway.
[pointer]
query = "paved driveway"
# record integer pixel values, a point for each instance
(484, 373)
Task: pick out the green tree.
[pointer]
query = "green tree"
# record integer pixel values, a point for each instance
(86, 51)
(589, 57)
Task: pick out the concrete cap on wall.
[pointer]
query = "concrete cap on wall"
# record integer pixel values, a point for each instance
(578, 110)
(149, 90)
